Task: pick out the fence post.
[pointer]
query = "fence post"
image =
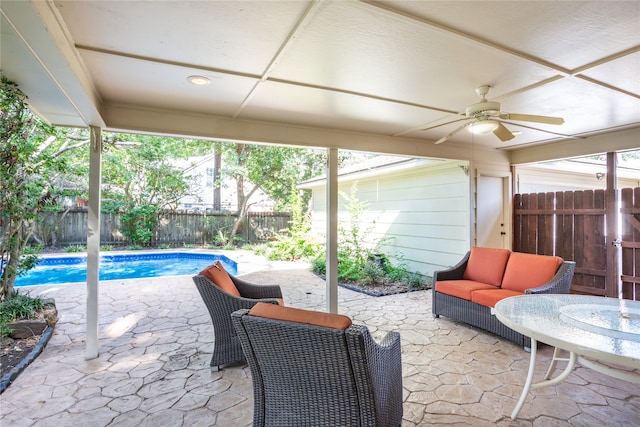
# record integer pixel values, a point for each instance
(612, 281)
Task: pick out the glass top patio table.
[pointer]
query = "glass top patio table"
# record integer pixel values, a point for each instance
(604, 329)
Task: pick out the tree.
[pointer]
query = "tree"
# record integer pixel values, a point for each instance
(142, 170)
(143, 174)
(274, 170)
(37, 162)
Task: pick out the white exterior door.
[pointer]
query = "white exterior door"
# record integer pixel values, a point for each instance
(491, 227)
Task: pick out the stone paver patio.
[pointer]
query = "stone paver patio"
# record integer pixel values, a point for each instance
(156, 339)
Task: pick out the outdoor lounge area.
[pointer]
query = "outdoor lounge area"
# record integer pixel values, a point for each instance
(155, 350)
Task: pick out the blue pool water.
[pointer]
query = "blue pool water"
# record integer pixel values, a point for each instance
(56, 270)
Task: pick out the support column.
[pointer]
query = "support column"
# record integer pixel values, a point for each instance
(332, 230)
(612, 280)
(93, 242)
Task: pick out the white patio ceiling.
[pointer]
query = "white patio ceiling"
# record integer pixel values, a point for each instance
(347, 74)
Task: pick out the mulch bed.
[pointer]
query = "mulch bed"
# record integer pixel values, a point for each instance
(17, 352)
(380, 290)
(13, 351)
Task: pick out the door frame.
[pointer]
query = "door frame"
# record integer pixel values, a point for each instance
(507, 197)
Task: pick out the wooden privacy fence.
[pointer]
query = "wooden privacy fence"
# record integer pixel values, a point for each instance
(573, 225)
(174, 228)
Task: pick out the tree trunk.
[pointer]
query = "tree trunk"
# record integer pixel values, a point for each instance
(14, 246)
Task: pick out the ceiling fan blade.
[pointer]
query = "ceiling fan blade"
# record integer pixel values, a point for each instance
(444, 124)
(503, 133)
(532, 118)
(544, 130)
(453, 132)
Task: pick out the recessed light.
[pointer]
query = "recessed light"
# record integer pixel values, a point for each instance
(199, 80)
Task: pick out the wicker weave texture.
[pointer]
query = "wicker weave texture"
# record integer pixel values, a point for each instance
(306, 375)
(220, 305)
(480, 316)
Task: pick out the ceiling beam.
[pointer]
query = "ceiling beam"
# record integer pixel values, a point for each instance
(615, 141)
(122, 118)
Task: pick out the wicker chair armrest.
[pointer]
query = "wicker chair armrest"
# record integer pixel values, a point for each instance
(559, 284)
(215, 296)
(453, 273)
(384, 348)
(252, 291)
(384, 366)
(239, 303)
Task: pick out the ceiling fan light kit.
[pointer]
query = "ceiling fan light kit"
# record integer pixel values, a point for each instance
(486, 117)
(483, 127)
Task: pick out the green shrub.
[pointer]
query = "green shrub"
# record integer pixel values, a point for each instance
(319, 264)
(298, 246)
(111, 206)
(139, 224)
(33, 250)
(75, 248)
(26, 263)
(359, 257)
(297, 242)
(18, 307)
(411, 279)
(261, 249)
(372, 273)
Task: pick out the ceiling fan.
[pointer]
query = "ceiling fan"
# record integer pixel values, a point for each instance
(485, 117)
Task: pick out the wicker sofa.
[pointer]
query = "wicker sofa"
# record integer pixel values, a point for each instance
(469, 290)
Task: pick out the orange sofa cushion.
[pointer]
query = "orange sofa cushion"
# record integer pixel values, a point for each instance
(489, 297)
(526, 271)
(219, 276)
(486, 265)
(298, 315)
(460, 288)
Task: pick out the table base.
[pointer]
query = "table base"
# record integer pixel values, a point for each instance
(571, 363)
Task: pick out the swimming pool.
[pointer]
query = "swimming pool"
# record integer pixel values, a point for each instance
(57, 270)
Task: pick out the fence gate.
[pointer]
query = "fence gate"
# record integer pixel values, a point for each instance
(570, 224)
(573, 225)
(630, 242)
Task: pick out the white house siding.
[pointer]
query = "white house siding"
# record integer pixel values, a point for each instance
(532, 179)
(421, 213)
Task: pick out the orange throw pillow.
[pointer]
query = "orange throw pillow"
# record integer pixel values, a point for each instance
(525, 271)
(298, 315)
(219, 276)
(486, 265)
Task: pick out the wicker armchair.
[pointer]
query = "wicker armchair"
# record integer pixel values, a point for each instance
(304, 374)
(220, 304)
